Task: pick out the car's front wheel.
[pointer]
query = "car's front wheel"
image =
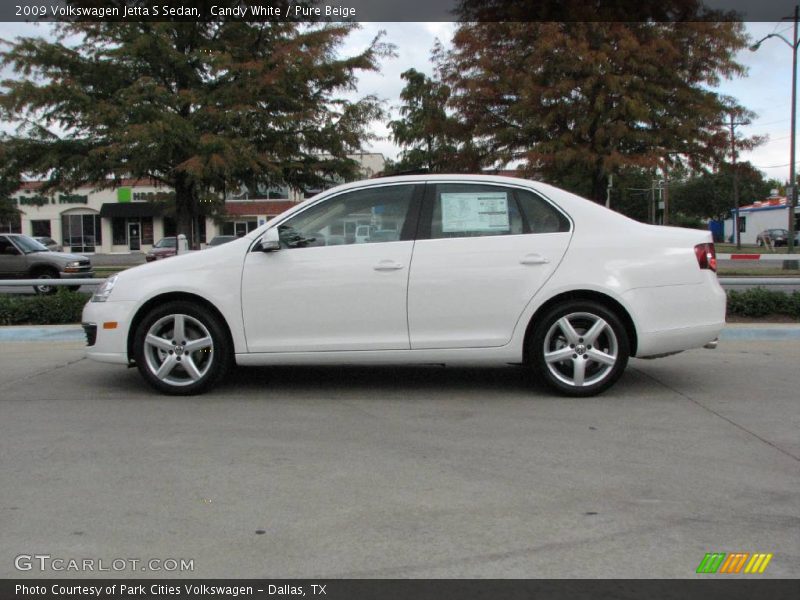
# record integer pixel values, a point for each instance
(182, 348)
(579, 348)
(43, 288)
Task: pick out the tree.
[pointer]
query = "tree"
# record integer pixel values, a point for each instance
(579, 101)
(433, 140)
(197, 106)
(708, 195)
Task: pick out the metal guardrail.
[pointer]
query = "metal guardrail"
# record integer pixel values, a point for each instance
(743, 255)
(53, 282)
(765, 281)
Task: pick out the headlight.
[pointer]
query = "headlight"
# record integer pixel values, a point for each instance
(104, 291)
(73, 264)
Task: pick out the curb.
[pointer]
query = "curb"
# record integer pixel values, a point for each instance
(767, 332)
(74, 333)
(42, 333)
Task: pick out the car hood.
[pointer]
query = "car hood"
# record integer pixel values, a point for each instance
(65, 256)
(182, 267)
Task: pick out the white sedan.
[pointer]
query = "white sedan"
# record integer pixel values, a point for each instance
(479, 270)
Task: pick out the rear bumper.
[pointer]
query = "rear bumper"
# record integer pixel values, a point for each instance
(677, 340)
(678, 317)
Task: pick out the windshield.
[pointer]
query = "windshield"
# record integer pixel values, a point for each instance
(28, 244)
(166, 243)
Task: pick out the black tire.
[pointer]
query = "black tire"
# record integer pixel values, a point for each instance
(209, 364)
(566, 376)
(45, 290)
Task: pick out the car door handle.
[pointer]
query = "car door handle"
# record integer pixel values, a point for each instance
(534, 259)
(388, 265)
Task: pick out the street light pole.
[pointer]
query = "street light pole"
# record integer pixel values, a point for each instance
(792, 200)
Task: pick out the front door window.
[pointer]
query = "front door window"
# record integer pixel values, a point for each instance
(362, 217)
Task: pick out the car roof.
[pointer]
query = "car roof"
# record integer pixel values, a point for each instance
(575, 207)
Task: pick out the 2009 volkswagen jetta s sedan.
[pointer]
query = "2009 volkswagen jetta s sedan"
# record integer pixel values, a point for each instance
(453, 269)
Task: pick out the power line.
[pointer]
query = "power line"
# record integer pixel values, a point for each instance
(770, 123)
(770, 166)
(777, 139)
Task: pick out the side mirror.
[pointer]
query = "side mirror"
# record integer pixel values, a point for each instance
(270, 241)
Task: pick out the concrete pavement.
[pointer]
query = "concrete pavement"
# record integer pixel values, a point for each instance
(409, 472)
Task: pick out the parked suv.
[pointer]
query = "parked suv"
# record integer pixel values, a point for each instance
(22, 257)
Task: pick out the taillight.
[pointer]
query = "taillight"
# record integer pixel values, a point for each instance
(706, 256)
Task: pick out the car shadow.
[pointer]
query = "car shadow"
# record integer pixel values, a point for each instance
(390, 382)
(379, 378)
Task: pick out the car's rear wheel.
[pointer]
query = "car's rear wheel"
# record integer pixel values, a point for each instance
(43, 288)
(580, 348)
(182, 348)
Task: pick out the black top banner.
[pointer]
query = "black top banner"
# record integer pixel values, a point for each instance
(405, 589)
(394, 11)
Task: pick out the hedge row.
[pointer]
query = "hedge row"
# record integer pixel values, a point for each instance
(66, 306)
(62, 307)
(760, 302)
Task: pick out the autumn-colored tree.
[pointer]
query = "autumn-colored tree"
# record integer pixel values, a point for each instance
(579, 101)
(197, 106)
(432, 140)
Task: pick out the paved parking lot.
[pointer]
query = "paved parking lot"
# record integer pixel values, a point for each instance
(411, 472)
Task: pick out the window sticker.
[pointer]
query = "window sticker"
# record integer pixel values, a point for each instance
(469, 211)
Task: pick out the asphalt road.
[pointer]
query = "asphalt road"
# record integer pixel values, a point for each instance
(409, 472)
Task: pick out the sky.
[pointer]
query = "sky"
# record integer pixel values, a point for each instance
(766, 89)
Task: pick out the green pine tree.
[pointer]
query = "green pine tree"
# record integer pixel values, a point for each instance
(199, 107)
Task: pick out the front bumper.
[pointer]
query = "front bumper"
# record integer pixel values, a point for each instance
(110, 322)
(77, 275)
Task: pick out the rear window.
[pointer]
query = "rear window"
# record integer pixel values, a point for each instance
(474, 210)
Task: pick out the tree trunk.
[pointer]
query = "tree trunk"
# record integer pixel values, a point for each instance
(599, 184)
(185, 208)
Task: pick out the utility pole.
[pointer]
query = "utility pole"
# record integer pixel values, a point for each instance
(735, 213)
(792, 199)
(608, 190)
(653, 201)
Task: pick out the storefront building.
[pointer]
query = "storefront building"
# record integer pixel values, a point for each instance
(130, 217)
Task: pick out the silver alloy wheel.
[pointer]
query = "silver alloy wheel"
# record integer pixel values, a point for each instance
(581, 349)
(178, 350)
(44, 289)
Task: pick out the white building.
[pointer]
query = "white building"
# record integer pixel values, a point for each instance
(770, 213)
(129, 217)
